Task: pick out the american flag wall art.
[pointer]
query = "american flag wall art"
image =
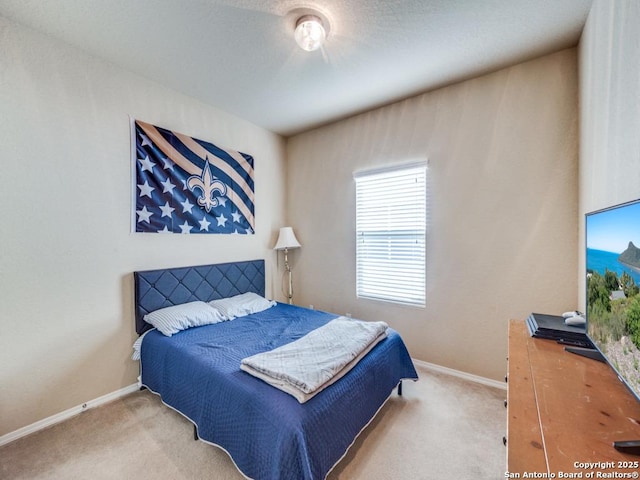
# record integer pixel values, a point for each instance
(189, 186)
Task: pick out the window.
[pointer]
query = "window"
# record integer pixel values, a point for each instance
(390, 234)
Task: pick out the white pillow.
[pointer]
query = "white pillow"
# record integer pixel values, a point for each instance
(241, 305)
(173, 319)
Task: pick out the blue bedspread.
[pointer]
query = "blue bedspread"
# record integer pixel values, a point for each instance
(269, 435)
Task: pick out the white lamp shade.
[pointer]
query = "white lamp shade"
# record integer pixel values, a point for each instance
(286, 239)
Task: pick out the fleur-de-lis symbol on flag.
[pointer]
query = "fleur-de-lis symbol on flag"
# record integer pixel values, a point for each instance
(208, 186)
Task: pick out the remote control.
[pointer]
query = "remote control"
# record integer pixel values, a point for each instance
(575, 321)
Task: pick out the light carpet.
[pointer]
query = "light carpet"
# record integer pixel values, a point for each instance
(442, 427)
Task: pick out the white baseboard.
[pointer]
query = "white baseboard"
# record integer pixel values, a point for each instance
(59, 417)
(464, 375)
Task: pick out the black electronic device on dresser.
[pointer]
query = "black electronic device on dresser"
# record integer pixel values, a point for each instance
(555, 327)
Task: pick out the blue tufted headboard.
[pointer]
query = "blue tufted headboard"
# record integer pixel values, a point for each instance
(156, 289)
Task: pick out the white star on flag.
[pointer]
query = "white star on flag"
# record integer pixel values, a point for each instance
(144, 215)
(168, 164)
(166, 210)
(147, 164)
(186, 206)
(146, 189)
(185, 227)
(204, 224)
(145, 140)
(168, 186)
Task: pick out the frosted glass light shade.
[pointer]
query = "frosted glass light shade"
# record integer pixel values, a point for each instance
(286, 239)
(310, 33)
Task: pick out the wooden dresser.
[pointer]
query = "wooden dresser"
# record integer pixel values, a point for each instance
(564, 412)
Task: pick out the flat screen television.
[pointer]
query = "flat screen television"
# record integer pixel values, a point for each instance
(613, 289)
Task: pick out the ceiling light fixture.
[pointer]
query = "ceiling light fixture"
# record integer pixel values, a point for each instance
(310, 32)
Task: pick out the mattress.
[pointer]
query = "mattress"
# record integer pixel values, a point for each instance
(267, 433)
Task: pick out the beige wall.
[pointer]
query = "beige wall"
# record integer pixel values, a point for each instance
(609, 111)
(502, 235)
(66, 254)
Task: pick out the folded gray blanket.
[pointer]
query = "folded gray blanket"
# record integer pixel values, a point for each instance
(304, 367)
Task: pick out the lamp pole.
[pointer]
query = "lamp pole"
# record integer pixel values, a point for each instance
(288, 269)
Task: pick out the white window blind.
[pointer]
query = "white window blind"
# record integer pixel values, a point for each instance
(390, 234)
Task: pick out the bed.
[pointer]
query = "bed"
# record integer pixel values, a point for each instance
(267, 433)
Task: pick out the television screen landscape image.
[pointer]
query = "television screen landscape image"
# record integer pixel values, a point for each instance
(613, 288)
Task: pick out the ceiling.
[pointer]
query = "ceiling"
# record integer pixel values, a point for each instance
(240, 55)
